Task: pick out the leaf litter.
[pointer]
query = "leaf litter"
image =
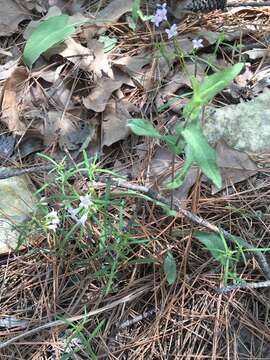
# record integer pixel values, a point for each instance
(80, 95)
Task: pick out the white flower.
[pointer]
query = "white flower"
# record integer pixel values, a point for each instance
(172, 31)
(73, 212)
(85, 201)
(197, 43)
(82, 220)
(53, 220)
(52, 227)
(160, 15)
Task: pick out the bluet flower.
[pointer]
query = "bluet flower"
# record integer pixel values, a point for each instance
(172, 31)
(197, 44)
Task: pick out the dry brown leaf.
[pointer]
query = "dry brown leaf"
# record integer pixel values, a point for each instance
(11, 15)
(160, 169)
(100, 64)
(67, 130)
(115, 119)
(235, 166)
(176, 82)
(12, 100)
(98, 99)
(74, 52)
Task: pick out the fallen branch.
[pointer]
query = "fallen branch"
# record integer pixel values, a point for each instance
(56, 323)
(252, 285)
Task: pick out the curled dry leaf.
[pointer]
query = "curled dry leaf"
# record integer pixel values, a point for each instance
(12, 100)
(11, 15)
(98, 99)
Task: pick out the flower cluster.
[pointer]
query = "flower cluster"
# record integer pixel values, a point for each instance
(85, 203)
(161, 15)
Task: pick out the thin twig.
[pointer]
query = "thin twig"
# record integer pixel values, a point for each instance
(252, 285)
(56, 323)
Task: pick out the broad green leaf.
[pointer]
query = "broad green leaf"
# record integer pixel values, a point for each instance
(135, 8)
(170, 268)
(143, 127)
(215, 244)
(108, 42)
(210, 87)
(202, 152)
(180, 176)
(47, 34)
(173, 144)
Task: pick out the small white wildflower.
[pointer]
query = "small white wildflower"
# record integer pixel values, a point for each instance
(160, 15)
(172, 31)
(52, 227)
(82, 220)
(85, 201)
(197, 43)
(73, 213)
(53, 220)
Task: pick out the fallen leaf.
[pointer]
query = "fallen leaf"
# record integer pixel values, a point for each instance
(11, 15)
(67, 130)
(115, 120)
(12, 100)
(74, 52)
(100, 64)
(7, 144)
(179, 80)
(234, 165)
(257, 53)
(7, 69)
(98, 99)
(109, 15)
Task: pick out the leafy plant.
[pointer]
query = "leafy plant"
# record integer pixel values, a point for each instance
(190, 138)
(48, 33)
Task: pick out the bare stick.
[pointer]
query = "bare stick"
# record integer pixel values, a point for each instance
(252, 285)
(56, 323)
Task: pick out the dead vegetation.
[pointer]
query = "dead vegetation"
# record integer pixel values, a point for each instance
(79, 97)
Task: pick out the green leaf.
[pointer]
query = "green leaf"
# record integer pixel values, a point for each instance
(135, 8)
(108, 42)
(210, 87)
(143, 127)
(47, 34)
(180, 176)
(173, 144)
(215, 244)
(202, 152)
(170, 268)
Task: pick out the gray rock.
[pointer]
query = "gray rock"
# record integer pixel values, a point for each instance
(245, 126)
